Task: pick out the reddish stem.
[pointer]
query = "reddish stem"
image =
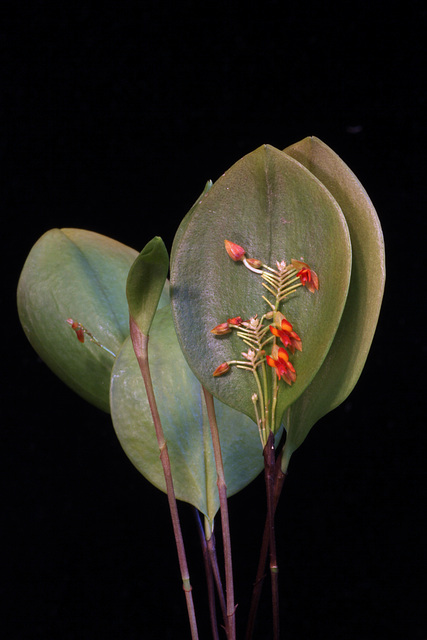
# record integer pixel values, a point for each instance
(209, 576)
(222, 491)
(140, 346)
(279, 479)
(217, 576)
(269, 464)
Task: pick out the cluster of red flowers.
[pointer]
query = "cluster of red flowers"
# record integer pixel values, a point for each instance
(281, 327)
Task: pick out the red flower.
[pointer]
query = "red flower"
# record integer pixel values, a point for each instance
(286, 333)
(77, 327)
(236, 252)
(307, 276)
(279, 359)
(223, 368)
(225, 327)
(236, 322)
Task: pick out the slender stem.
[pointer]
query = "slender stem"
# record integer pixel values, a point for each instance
(209, 576)
(217, 576)
(267, 415)
(222, 490)
(263, 409)
(258, 419)
(269, 463)
(140, 345)
(260, 575)
(275, 392)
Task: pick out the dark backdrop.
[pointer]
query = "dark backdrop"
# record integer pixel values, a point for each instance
(113, 118)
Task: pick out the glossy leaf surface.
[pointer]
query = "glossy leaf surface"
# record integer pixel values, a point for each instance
(72, 273)
(277, 210)
(182, 411)
(346, 358)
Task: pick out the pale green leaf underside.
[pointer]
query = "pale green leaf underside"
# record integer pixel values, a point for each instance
(346, 358)
(273, 207)
(73, 273)
(184, 421)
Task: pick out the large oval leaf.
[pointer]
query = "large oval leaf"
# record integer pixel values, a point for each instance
(277, 210)
(72, 273)
(347, 355)
(185, 424)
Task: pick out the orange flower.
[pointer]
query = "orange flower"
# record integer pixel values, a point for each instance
(236, 252)
(279, 359)
(236, 322)
(223, 368)
(307, 276)
(286, 333)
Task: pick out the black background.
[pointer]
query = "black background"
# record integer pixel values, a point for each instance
(112, 119)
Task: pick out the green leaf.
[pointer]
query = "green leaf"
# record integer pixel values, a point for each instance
(187, 217)
(145, 283)
(72, 273)
(277, 210)
(347, 355)
(185, 424)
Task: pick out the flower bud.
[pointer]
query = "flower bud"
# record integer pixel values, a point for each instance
(221, 329)
(236, 252)
(254, 262)
(223, 368)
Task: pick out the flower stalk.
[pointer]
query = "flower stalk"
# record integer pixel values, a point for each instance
(230, 622)
(279, 479)
(209, 576)
(269, 465)
(140, 345)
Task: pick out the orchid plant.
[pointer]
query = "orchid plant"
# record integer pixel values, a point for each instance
(276, 281)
